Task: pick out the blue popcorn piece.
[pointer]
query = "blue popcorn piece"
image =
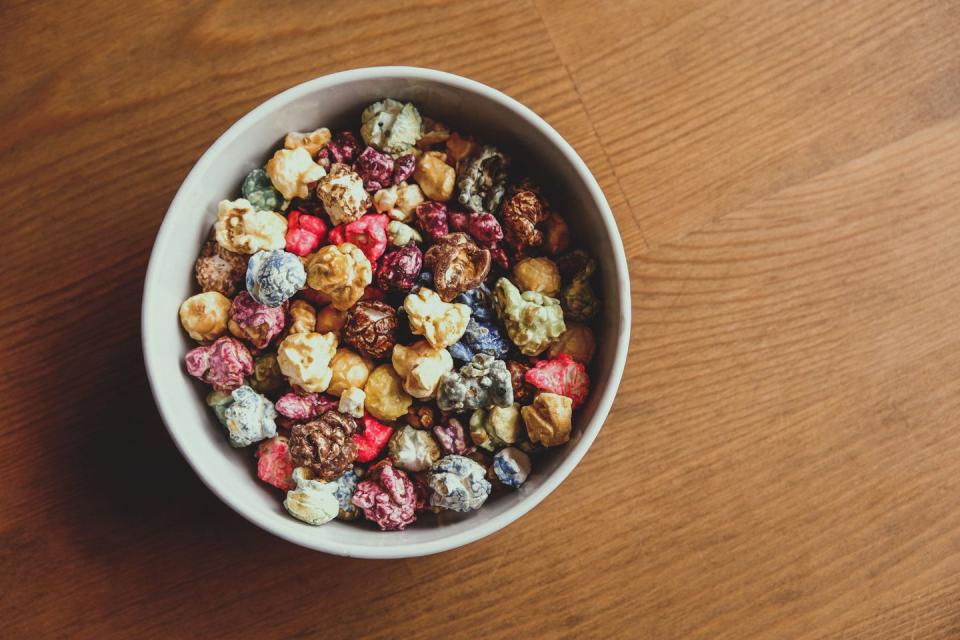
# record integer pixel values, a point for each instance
(480, 337)
(274, 276)
(511, 467)
(458, 483)
(480, 301)
(248, 416)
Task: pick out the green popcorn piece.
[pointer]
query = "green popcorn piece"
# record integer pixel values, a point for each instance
(578, 300)
(533, 320)
(258, 190)
(391, 126)
(495, 428)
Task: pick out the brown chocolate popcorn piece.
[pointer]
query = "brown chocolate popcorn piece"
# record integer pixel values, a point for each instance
(325, 445)
(521, 212)
(371, 328)
(220, 269)
(458, 265)
(522, 390)
(421, 416)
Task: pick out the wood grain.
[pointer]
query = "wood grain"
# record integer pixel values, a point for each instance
(782, 459)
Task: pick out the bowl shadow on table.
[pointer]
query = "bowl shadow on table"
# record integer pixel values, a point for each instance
(132, 501)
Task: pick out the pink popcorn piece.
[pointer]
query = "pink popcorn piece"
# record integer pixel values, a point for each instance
(561, 375)
(223, 364)
(274, 463)
(432, 218)
(343, 149)
(387, 497)
(302, 406)
(375, 169)
(304, 232)
(259, 323)
(369, 234)
(403, 168)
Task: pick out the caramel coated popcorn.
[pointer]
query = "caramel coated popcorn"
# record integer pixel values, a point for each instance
(342, 194)
(204, 316)
(348, 369)
(435, 177)
(341, 272)
(421, 366)
(292, 171)
(312, 142)
(242, 229)
(305, 359)
(441, 323)
(386, 399)
(548, 419)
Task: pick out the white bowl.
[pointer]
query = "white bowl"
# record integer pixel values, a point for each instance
(336, 101)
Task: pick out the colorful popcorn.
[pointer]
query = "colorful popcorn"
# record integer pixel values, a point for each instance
(411, 315)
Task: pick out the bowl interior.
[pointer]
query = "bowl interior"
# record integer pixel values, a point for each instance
(336, 101)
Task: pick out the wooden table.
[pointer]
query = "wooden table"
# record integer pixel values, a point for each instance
(782, 461)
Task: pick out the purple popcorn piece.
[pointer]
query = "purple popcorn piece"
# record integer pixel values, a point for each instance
(432, 218)
(343, 149)
(452, 437)
(399, 269)
(403, 168)
(375, 168)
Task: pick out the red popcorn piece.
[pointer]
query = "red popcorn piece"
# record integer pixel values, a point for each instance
(399, 269)
(403, 168)
(369, 234)
(303, 406)
(222, 365)
(274, 463)
(387, 498)
(375, 168)
(304, 232)
(561, 375)
(373, 439)
(432, 217)
(343, 149)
